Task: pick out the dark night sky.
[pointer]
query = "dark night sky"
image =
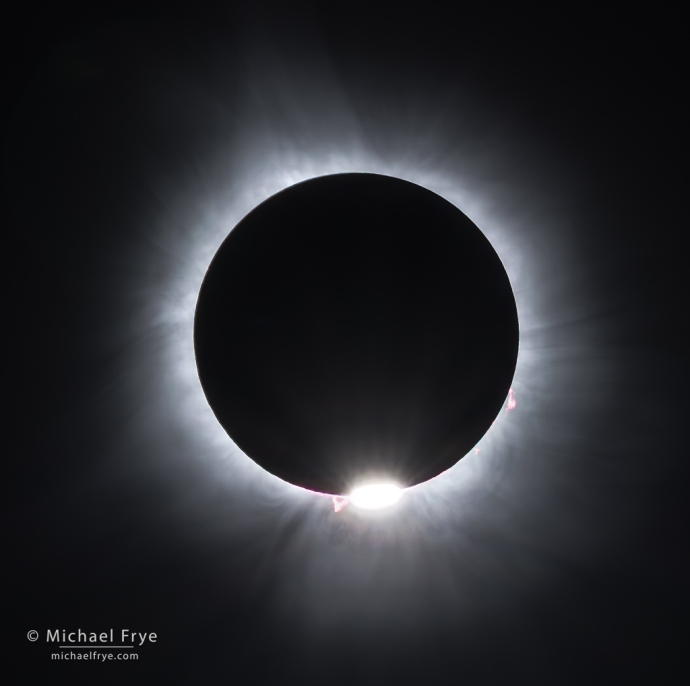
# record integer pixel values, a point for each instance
(134, 142)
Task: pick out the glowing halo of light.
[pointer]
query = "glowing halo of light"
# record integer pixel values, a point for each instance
(258, 162)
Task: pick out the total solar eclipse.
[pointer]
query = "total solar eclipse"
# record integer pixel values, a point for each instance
(353, 329)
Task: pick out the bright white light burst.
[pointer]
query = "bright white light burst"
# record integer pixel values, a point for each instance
(375, 496)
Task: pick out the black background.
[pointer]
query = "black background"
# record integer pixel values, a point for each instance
(570, 569)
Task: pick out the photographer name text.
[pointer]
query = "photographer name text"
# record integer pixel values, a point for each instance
(124, 636)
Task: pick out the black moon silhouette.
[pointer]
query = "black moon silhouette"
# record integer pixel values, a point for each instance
(356, 328)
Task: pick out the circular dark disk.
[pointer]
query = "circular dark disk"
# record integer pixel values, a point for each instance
(356, 327)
